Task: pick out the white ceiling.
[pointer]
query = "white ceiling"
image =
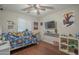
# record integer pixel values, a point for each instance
(19, 7)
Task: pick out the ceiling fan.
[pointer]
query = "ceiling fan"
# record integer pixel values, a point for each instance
(36, 7)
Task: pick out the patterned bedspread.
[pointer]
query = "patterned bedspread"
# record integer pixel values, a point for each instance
(19, 39)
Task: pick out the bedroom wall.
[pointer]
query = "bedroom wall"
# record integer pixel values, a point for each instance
(14, 16)
(0, 23)
(58, 17)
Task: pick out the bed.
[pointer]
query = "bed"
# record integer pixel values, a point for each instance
(20, 39)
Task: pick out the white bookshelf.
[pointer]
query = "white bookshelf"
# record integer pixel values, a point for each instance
(69, 45)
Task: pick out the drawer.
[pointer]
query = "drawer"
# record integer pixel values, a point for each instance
(5, 52)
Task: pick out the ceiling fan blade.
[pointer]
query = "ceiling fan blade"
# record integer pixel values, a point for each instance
(35, 6)
(28, 8)
(48, 7)
(43, 9)
(28, 11)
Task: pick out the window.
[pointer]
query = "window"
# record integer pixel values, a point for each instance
(21, 25)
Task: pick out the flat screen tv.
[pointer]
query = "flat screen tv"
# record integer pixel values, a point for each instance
(50, 25)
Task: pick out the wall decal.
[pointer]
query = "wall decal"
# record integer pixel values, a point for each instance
(68, 19)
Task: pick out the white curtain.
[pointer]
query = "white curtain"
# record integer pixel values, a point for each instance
(21, 25)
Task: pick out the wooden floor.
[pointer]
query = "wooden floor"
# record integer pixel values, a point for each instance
(39, 49)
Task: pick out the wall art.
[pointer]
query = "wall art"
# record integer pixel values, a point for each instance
(35, 25)
(10, 24)
(68, 19)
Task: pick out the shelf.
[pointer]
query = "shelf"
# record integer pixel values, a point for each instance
(64, 44)
(63, 50)
(66, 51)
(64, 40)
(73, 38)
(69, 45)
(71, 53)
(65, 47)
(73, 45)
(63, 37)
(73, 50)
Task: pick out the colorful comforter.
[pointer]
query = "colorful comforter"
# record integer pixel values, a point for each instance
(20, 39)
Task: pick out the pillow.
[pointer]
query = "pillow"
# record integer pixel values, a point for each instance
(19, 41)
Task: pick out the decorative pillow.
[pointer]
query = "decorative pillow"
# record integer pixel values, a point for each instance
(30, 38)
(20, 34)
(19, 41)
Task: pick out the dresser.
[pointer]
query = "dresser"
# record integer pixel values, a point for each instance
(5, 48)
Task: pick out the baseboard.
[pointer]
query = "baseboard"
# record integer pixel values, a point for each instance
(48, 42)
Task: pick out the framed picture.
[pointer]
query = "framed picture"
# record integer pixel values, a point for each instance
(68, 18)
(41, 23)
(10, 24)
(35, 25)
